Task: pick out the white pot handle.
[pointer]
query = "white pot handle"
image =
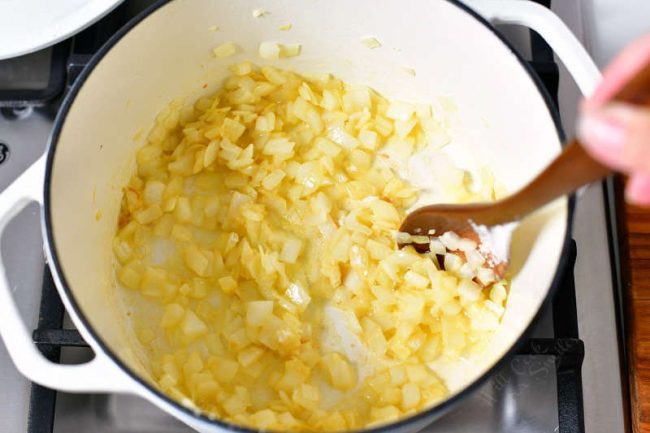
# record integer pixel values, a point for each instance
(551, 28)
(98, 375)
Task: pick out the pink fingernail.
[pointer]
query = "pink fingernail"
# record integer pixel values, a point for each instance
(603, 136)
(638, 189)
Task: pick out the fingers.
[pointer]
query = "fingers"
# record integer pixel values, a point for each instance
(637, 190)
(624, 66)
(618, 135)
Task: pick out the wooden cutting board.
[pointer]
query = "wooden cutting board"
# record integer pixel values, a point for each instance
(636, 278)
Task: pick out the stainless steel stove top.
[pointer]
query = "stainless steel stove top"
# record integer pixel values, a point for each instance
(522, 397)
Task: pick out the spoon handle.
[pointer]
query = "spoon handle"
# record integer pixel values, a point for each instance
(574, 167)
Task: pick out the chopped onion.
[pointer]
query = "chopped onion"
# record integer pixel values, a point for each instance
(486, 276)
(469, 290)
(291, 250)
(467, 271)
(437, 247)
(290, 50)
(371, 42)
(224, 50)
(452, 262)
(402, 238)
(269, 50)
(420, 239)
(475, 258)
(257, 13)
(267, 192)
(341, 137)
(399, 110)
(450, 240)
(409, 70)
(466, 245)
(298, 295)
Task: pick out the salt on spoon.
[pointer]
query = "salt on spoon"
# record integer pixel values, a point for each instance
(494, 242)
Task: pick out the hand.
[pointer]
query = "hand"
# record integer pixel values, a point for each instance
(617, 134)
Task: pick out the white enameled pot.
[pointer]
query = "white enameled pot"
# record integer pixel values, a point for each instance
(502, 119)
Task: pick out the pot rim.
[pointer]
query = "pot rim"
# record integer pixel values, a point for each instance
(432, 412)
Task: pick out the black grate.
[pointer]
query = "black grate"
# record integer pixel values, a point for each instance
(50, 317)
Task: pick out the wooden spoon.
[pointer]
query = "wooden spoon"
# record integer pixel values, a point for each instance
(572, 169)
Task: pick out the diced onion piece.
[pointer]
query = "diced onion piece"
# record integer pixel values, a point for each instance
(240, 69)
(343, 138)
(469, 290)
(416, 280)
(466, 245)
(340, 373)
(450, 240)
(227, 284)
(290, 50)
(410, 395)
(153, 192)
(285, 27)
(298, 295)
(173, 315)
(404, 127)
(273, 179)
(399, 110)
(498, 293)
(402, 238)
(466, 271)
(486, 276)
(474, 258)
(371, 42)
(278, 146)
(369, 139)
(452, 262)
(437, 247)
(192, 326)
(196, 260)
(257, 13)
(258, 312)
(269, 50)
(290, 250)
(420, 239)
(497, 309)
(224, 50)
(249, 355)
(409, 70)
(148, 214)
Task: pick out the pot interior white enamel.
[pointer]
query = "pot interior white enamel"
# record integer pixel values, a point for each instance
(501, 120)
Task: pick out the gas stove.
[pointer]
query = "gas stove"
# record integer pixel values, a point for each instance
(566, 377)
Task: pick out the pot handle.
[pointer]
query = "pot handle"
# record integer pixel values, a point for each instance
(536, 17)
(98, 375)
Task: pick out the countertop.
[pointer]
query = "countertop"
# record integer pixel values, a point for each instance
(636, 278)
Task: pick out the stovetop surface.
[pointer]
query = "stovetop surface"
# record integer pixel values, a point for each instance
(522, 397)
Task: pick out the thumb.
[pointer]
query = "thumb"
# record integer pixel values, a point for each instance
(618, 135)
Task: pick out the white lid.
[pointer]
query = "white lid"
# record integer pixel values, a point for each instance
(29, 25)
